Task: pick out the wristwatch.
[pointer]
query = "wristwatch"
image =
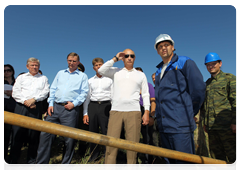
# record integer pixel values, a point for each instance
(152, 117)
(35, 99)
(116, 58)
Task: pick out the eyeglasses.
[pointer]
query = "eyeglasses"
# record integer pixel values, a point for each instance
(131, 55)
(164, 45)
(211, 64)
(8, 70)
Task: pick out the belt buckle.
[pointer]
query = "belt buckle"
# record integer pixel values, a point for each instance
(99, 102)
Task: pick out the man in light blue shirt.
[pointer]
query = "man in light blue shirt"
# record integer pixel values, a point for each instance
(68, 91)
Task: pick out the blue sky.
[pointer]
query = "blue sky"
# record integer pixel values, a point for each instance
(49, 33)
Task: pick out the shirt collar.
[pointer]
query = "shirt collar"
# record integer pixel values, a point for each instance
(37, 75)
(96, 77)
(75, 71)
(133, 69)
(217, 76)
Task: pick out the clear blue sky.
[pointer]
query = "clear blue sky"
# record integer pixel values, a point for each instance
(49, 33)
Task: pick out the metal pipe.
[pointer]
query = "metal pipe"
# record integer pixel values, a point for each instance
(36, 124)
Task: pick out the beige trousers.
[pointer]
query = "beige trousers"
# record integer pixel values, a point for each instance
(132, 125)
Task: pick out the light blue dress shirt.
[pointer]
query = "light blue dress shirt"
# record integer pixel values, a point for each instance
(68, 86)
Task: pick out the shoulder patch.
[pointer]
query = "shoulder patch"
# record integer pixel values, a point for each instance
(181, 61)
(230, 75)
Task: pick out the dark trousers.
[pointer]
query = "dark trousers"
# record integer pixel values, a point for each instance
(182, 142)
(147, 135)
(7, 135)
(98, 117)
(19, 134)
(82, 145)
(64, 117)
(156, 135)
(9, 105)
(222, 145)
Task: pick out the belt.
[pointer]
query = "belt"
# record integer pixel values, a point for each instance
(101, 102)
(63, 104)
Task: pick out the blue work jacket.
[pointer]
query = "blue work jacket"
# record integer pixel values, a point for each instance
(179, 95)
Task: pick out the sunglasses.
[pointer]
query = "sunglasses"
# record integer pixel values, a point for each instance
(8, 70)
(131, 55)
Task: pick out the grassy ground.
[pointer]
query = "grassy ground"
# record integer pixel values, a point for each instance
(81, 162)
(57, 151)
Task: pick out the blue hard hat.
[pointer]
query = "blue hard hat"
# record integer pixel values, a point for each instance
(210, 57)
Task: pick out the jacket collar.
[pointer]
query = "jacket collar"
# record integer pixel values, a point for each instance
(174, 59)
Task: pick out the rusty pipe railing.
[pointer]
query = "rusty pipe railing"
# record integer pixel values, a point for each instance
(36, 124)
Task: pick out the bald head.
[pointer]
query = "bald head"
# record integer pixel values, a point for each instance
(128, 51)
(129, 61)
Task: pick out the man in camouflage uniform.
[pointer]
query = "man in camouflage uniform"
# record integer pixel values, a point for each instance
(220, 110)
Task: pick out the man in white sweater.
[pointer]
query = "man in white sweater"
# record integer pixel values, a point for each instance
(127, 84)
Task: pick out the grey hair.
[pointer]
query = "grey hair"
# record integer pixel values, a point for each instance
(32, 59)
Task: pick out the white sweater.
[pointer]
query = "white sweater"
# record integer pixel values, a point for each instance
(126, 87)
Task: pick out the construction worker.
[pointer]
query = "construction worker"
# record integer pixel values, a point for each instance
(179, 93)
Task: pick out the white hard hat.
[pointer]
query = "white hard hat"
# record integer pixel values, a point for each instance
(163, 37)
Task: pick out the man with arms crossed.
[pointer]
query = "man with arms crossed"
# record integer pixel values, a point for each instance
(29, 90)
(127, 84)
(68, 91)
(97, 105)
(179, 93)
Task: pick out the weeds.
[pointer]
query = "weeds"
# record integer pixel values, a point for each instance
(83, 158)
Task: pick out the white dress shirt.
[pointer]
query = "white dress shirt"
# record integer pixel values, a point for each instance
(100, 89)
(126, 87)
(27, 87)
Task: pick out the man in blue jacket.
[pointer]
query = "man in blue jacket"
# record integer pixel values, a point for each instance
(179, 93)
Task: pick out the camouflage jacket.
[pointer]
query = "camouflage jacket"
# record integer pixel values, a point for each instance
(220, 102)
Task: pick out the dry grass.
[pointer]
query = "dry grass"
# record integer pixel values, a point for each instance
(57, 151)
(81, 162)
